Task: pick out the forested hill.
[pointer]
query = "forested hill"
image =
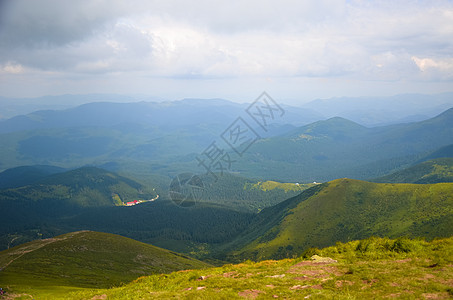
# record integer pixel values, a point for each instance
(25, 175)
(343, 210)
(83, 187)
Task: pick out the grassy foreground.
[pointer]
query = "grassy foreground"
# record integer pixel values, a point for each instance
(375, 268)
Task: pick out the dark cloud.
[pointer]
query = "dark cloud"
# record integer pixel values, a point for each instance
(52, 23)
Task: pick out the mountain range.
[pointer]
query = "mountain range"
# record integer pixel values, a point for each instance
(337, 147)
(166, 138)
(368, 111)
(82, 189)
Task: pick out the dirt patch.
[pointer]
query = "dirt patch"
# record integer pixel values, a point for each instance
(99, 297)
(428, 276)
(15, 296)
(316, 287)
(310, 263)
(342, 283)
(400, 261)
(232, 274)
(302, 278)
(302, 287)
(393, 295)
(311, 270)
(250, 294)
(443, 295)
(394, 284)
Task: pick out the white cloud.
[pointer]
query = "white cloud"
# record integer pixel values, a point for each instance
(441, 68)
(12, 68)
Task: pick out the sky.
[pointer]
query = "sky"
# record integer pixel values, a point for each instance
(296, 50)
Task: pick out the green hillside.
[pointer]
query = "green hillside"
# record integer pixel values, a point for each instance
(343, 210)
(85, 259)
(432, 171)
(374, 268)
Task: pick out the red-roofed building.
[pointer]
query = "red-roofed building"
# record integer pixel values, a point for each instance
(131, 203)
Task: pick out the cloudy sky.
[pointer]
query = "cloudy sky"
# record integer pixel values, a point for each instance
(295, 50)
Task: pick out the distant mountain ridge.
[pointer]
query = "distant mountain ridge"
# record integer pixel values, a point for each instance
(379, 111)
(165, 138)
(337, 147)
(169, 114)
(368, 111)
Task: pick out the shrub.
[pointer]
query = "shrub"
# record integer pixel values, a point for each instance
(310, 252)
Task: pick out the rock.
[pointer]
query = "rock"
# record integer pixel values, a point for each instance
(270, 286)
(296, 287)
(322, 260)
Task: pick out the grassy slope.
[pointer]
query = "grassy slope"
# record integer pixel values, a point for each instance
(285, 186)
(86, 259)
(346, 209)
(369, 269)
(432, 171)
